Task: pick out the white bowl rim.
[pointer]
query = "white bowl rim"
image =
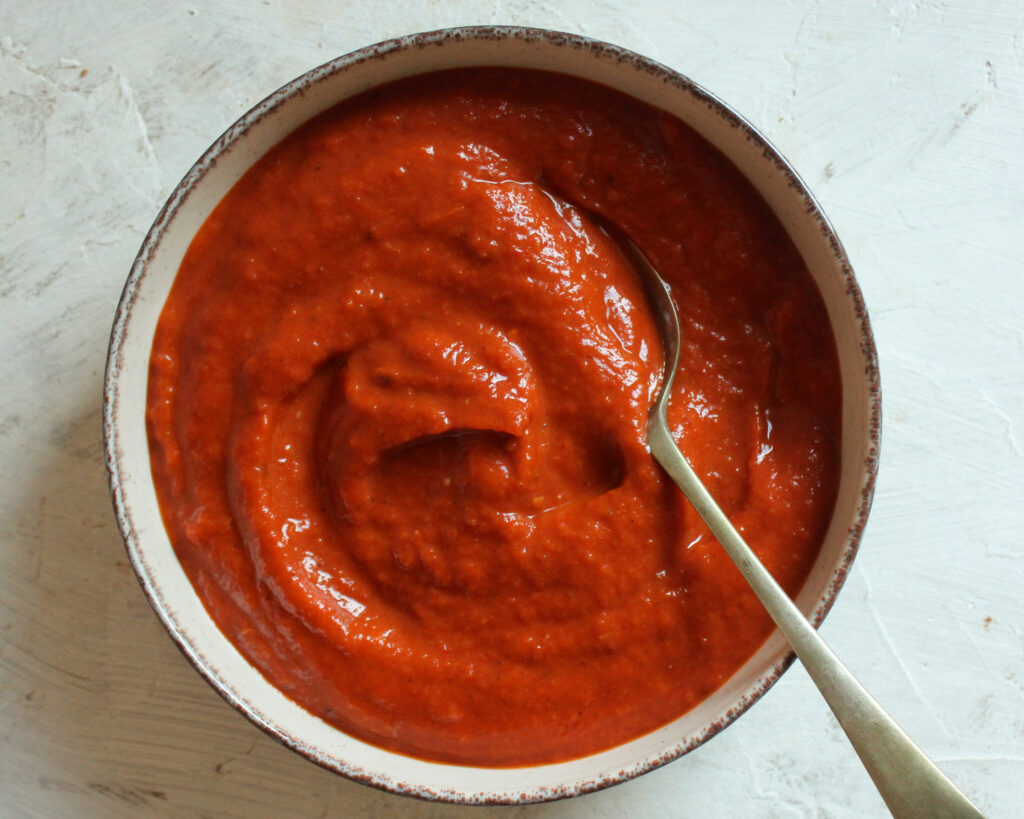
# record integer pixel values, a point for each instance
(235, 132)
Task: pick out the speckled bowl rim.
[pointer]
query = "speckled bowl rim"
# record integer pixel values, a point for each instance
(298, 86)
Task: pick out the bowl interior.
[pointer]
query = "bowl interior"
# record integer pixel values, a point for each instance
(166, 584)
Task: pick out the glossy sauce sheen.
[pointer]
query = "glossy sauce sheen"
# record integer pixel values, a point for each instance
(397, 404)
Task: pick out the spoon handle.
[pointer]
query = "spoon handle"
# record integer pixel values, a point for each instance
(906, 778)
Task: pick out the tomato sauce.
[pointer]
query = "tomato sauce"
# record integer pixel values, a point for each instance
(397, 403)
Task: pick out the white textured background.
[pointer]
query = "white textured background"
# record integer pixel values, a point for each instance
(906, 119)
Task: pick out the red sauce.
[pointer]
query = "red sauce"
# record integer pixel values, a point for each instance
(397, 403)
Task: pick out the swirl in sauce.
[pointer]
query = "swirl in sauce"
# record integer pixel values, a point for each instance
(397, 404)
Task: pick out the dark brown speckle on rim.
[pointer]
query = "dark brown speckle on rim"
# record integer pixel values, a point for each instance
(298, 87)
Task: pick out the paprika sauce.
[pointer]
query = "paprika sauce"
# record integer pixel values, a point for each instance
(397, 404)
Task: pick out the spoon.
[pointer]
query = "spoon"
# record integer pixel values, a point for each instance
(909, 782)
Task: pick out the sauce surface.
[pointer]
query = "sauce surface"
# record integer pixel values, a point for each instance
(397, 403)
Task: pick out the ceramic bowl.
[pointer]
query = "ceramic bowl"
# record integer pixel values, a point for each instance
(127, 453)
